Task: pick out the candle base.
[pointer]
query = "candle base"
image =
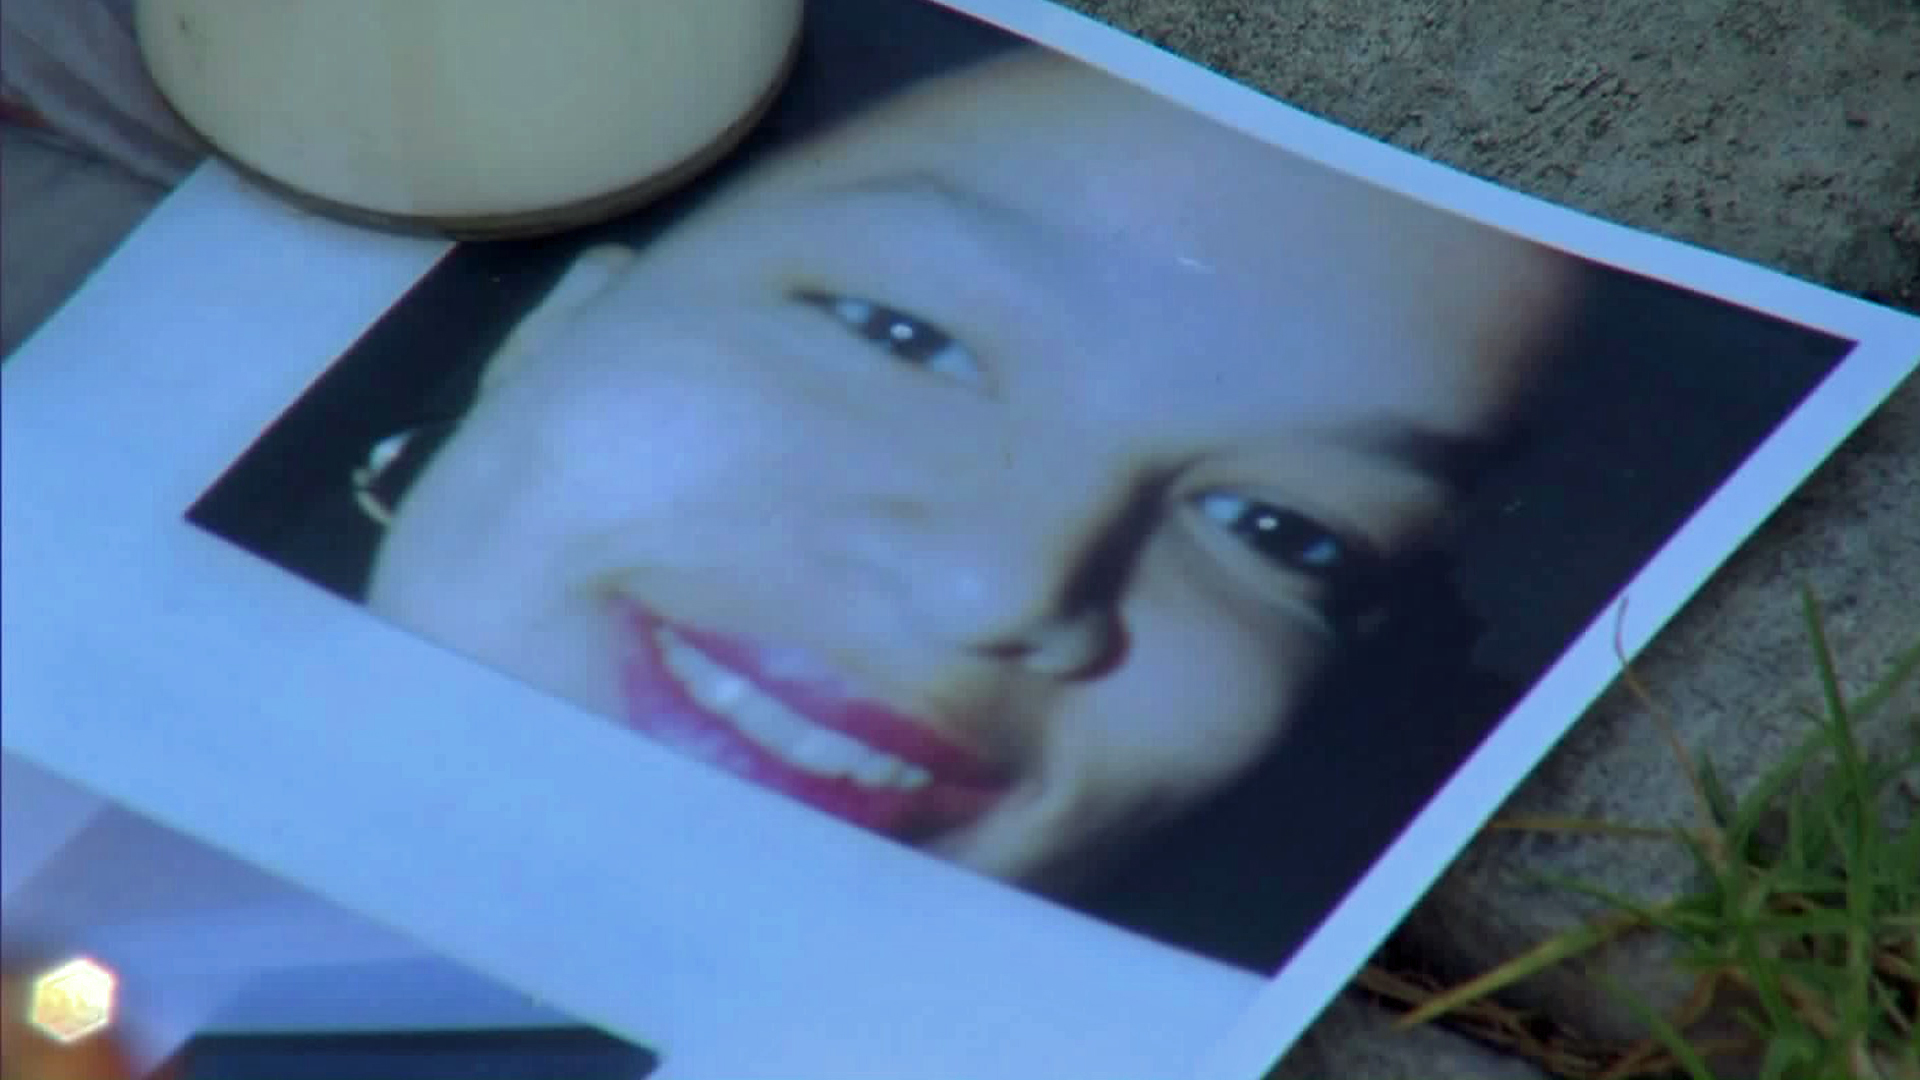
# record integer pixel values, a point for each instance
(528, 224)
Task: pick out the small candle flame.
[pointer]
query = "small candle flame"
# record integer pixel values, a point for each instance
(72, 1001)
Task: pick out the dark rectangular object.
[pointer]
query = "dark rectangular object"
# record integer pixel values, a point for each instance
(530, 1054)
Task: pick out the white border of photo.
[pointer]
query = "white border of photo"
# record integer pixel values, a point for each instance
(737, 934)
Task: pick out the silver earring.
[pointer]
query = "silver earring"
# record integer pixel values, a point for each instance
(366, 478)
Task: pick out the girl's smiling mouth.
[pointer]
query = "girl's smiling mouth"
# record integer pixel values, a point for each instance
(761, 714)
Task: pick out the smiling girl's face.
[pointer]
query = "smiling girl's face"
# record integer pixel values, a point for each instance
(983, 473)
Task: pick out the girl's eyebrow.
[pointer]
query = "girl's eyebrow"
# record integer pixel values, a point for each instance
(980, 230)
(928, 185)
(1455, 460)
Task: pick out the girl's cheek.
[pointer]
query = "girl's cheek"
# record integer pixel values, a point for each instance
(1249, 678)
(1268, 678)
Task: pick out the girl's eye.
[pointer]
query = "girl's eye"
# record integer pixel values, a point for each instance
(1289, 540)
(907, 338)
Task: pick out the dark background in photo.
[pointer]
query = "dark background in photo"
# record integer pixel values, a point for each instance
(1660, 393)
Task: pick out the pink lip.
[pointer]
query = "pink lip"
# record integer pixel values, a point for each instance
(962, 785)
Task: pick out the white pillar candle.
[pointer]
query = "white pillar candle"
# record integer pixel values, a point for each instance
(471, 116)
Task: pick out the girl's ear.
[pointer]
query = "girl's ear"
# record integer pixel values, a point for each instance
(590, 274)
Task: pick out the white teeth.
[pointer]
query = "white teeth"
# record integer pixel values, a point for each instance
(726, 692)
(877, 771)
(822, 751)
(779, 730)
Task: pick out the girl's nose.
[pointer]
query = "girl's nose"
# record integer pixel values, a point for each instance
(1072, 645)
(1037, 582)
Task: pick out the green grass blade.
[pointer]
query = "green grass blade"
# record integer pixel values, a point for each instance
(1840, 724)
(1676, 916)
(1662, 1029)
(1811, 924)
(1554, 950)
(1799, 852)
(1719, 800)
(1787, 1052)
(1813, 882)
(1823, 659)
(1763, 977)
(1767, 792)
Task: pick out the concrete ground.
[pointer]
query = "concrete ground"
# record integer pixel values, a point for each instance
(1779, 131)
